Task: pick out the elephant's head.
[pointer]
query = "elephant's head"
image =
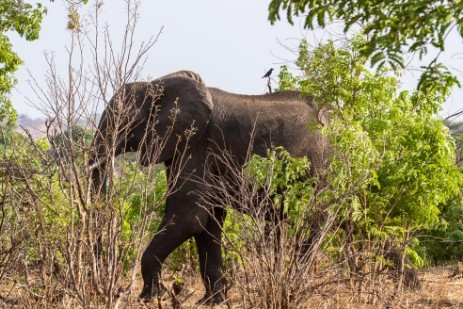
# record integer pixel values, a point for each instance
(155, 118)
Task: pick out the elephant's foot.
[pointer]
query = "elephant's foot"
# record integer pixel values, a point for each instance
(148, 293)
(215, 299)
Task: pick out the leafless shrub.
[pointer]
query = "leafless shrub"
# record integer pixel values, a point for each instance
(271, 257)
(61, 248)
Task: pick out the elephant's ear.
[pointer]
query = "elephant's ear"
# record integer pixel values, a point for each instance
(178, 118)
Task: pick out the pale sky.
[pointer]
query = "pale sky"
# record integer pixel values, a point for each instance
(231, 44)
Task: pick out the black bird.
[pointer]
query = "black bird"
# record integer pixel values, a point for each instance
(268, 73)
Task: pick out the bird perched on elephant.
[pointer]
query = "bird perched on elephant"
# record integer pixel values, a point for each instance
(269, 72)
(178, 120)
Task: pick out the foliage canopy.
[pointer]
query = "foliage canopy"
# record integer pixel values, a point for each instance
(395, 161)
(24, 19)
(393, 27)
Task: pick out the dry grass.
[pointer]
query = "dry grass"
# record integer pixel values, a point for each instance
(438, 291)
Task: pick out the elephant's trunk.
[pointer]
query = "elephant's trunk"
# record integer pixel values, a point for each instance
(98, 181)
(98, 177)
(98, 161)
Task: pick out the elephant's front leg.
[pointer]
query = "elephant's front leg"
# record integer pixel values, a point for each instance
(182, 220)
(210, 258)
(166, 240)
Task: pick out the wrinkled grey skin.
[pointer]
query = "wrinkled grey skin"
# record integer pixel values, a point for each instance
(241, 124)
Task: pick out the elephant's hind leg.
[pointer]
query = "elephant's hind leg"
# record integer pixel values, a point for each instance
(210, 259)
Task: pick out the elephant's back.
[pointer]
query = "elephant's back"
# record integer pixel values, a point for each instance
(254, 123)
(263, 100)
(268, 107)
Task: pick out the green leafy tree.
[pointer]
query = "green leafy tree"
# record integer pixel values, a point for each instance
(281, 176)
(395, 161)
(393, 27)
(7, 133)
(444, 243)
(24, 19)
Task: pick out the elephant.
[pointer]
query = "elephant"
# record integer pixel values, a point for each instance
(207, 121)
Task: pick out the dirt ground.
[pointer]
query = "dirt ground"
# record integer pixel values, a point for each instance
(437, 291)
